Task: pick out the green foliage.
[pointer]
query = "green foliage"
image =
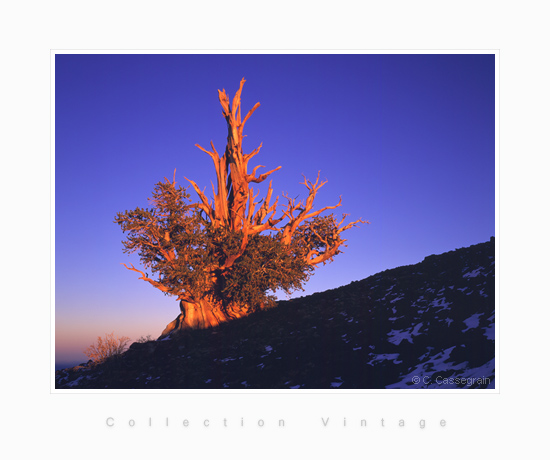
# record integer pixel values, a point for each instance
(184, 252)
(169, 239)
(266, 265)
(319, 235)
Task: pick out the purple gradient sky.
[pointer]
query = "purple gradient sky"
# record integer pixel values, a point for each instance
(407, 140)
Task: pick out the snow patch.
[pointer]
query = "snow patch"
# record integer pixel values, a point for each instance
(473, 273)
(397, 299)
(427, 372)
(442, 303)
(472, 322)
(490, 331)
(384, 357)
(76, 382)
(397, 336)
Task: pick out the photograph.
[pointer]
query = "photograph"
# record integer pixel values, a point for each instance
(285, 222)
(274, 231)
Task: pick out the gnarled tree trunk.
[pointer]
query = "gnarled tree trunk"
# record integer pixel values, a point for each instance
(203, 314)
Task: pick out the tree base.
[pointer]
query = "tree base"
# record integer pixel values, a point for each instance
(177, 326)
(201, 315)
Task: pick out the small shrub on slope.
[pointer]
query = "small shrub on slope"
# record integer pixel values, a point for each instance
(107, 347)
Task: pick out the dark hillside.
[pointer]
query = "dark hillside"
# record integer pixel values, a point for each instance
(429, 325)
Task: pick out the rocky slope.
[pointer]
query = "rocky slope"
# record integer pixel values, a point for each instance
(429, 325)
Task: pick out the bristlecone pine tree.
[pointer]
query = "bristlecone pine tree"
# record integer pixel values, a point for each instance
(220, 258)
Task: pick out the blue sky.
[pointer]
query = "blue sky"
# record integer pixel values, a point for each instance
(408, 141)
